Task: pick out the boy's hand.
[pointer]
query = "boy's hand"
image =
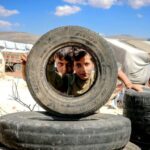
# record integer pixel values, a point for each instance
(23, 59)
(137, 87)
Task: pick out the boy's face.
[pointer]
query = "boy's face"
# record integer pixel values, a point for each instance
(62, 66)
(84, 67)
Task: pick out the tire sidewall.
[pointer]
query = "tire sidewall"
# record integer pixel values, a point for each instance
(51, 99)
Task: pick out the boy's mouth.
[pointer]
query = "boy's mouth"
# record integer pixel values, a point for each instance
(83, 75)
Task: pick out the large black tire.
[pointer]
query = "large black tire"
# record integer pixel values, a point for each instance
(129, 146)
(52, 100)
(137, 108)
(2, 147)
(35, 130)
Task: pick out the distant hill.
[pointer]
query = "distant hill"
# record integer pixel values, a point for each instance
(23, 37)
(126, 37)
(20, 37)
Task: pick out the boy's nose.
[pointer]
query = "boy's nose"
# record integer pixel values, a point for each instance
(84, 68)
(64, 69)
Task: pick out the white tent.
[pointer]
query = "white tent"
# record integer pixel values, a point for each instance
(135, 62)
(20, 46)
(2, 44)
(12, 46)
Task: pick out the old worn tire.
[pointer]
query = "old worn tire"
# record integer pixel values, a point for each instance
(35, 130)
(52, 100)
(131, 146)
(137, 108)
(2, 147)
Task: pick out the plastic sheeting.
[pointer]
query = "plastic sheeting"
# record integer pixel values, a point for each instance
(2, 44)
(8, 45)
(137, 67)
(20, 46)
(29, 46)
(135, 62)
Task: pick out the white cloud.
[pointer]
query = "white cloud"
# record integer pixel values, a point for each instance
(66, 10)
(76, 1)
(4, 24)
(8, 25)
(138, 3)
(5, 12)
(140, 16)
(106, 4)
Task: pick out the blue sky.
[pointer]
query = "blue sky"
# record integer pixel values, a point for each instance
(108, 17)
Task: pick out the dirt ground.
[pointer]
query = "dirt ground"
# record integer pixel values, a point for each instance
(16, 74)
(16, 97)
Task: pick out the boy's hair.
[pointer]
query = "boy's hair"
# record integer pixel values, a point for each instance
(79, 53)
(65, 53)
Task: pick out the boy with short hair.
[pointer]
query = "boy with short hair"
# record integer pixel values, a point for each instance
(56, 70)
(62, 65)
(84, 73)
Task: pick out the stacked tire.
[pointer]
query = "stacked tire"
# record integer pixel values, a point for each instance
(34, 130)
(137, 109)
(69, 123)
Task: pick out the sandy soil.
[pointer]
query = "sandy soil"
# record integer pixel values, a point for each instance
(15, 96)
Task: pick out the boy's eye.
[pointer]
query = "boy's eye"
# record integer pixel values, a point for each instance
(78, 65)
(86, 64)
(60, 64)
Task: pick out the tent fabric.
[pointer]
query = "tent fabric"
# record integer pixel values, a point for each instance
(20, 46)
(12, 46)
(29, 46)
(124, 46)
(2, 44)
(137, 67)
(138, 44)
(135, 62)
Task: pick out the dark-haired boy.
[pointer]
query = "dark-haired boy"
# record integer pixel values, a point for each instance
(56, 69)
(84, 73)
